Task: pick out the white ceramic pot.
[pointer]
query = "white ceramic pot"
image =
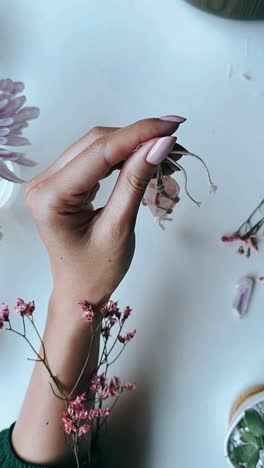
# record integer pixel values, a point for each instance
(245, 401)
(6, 188)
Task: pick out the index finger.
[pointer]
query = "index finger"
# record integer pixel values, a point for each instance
(91, 165)
(71, 152)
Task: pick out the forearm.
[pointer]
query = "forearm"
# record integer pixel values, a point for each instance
(38, 436)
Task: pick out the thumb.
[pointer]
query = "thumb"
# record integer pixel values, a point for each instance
(134, 177)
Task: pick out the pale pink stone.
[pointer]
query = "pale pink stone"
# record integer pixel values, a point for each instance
(165, 205)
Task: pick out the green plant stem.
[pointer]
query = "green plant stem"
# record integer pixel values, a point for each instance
(119, 354)
(83, 368)
(75, 448)
(39, 337)
(248, 220)
(23, 335)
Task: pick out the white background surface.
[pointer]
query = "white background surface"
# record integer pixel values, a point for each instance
(112, 62)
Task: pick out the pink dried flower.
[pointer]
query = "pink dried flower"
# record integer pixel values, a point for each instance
(87, 311)
(69, 426)
(106, 331)
(112, 320)
(109, 388)
(83, 430)
(98, 413)
(246, 234)
(13, 119)
(126, 313)
(76, 409)
(110, 309)
(232, 238)
(162, 192)
(4, 313)
(107, 412)
(126, 338)
(24, 308)
(95, 383)
(98, 382)
(80, 398)
(129, 386)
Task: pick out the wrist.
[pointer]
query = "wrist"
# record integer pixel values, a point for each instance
(71, 291)
(65, 308)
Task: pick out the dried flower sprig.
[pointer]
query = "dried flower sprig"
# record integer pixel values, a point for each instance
(246, 234)
(85, 413)
(162, 193)
(14, 119)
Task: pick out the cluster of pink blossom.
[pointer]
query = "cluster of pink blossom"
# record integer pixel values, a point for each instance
(106, 388)
(247, 243)
(80, 418)
(126, 313)
(128, 337)
(111, 315)
(87, 311)
(106, 331)
(4, 315)
(111, 311)
(246, 234)
(76, 414)
(21, 307)
(24, 308)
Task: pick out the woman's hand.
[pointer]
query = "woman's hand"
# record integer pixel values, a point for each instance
(91, 251)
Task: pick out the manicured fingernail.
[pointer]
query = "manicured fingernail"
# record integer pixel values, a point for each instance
(161, 149)
(173, 118)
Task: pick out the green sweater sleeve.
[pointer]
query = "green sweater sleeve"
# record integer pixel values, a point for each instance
(8, 457)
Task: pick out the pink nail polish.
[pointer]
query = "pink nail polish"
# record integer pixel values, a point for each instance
(173, 118)
(161, 149)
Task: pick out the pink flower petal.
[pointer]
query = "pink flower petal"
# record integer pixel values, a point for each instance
(13, 106)
(6, 122)
(14, 140)
(25, 162)
(28, 113)
(4, 131)
(6, 174)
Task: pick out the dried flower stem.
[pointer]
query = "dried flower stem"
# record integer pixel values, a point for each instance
(246, 234)
(176, 164)
(99, 387)
(31, 320)
(247, 223)
(40, 359)
(119, 354)
(159, 180)
(75, 448)
(212, 186)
